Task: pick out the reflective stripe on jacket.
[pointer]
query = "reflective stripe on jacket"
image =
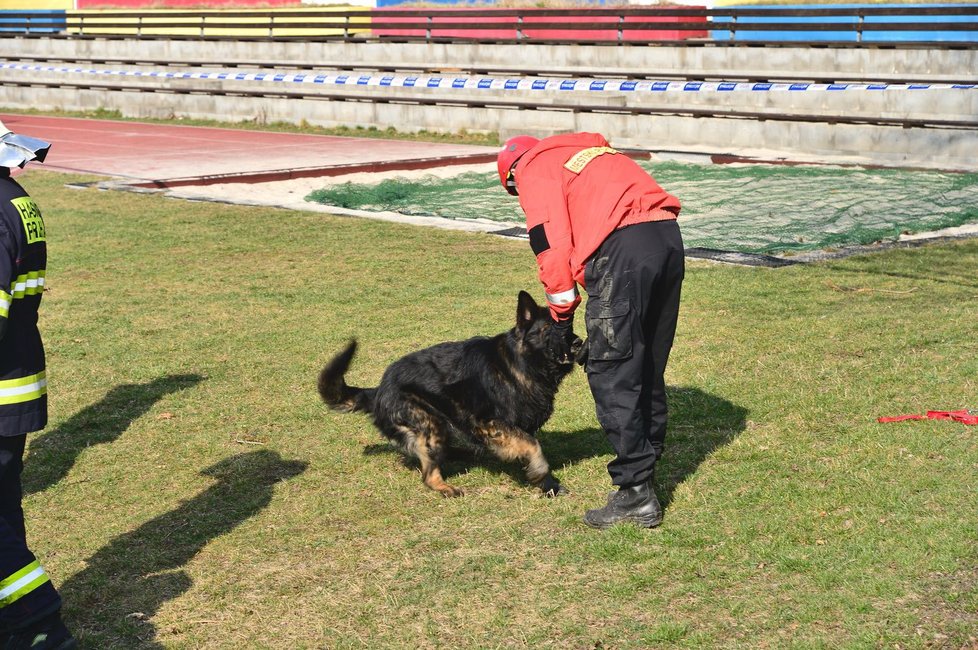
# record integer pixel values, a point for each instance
(23, 258)
(21, 583)
(575, 191)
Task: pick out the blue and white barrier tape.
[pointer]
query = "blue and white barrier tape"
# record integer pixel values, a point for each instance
(489, 83)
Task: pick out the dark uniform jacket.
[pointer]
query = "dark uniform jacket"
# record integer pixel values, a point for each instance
(23, 257)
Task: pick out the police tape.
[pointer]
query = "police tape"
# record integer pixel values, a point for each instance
(449, 82)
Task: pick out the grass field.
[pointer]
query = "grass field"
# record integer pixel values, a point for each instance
(192, 492)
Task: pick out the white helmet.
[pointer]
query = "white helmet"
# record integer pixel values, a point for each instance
(18, 150)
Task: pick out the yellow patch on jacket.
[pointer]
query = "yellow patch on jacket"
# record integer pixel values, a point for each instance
(580, 160)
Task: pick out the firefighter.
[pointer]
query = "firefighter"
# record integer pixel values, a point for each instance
(29, 604)
(596, 219)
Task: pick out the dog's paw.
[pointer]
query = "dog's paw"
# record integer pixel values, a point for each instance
(551, 488)
(561, 491)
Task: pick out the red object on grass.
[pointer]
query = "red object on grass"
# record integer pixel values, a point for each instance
(964, 417)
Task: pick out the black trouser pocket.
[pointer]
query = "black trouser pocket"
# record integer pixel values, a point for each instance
(609, 330)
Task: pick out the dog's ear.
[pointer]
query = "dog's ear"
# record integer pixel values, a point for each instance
(526, 311)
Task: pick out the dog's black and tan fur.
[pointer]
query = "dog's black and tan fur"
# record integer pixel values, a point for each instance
(482, 393)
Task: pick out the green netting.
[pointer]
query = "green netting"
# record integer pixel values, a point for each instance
(466, 196)
(747, 208)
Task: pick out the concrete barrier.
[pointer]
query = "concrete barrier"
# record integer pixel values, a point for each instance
(382, 107)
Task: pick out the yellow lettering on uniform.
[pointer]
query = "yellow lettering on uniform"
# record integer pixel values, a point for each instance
(580, 160)
(31, 216)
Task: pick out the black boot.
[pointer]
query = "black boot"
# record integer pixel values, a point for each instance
(49, 633)
(637, 504)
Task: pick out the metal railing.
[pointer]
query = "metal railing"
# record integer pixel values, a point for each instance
(958, 23)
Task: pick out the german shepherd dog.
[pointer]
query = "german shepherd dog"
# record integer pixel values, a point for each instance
(479, 394)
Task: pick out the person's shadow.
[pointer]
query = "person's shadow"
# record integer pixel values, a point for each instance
(53, 453)
(698, 423)
(126, 582)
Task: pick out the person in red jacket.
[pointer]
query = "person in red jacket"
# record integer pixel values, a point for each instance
(596, 219)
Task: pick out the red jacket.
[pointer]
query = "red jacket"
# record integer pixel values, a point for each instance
(575, 191)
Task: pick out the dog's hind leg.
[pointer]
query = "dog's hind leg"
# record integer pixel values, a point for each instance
(424, 435)
(431, 457)
(510, 443)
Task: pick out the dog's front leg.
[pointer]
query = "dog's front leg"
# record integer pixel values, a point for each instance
(510, 443)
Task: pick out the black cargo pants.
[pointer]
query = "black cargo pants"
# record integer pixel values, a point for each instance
(22, 600)
(633, 282)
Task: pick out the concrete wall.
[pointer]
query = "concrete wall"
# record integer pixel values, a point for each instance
(777, 138)
(692, 60)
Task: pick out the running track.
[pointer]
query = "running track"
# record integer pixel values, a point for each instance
(163, 155)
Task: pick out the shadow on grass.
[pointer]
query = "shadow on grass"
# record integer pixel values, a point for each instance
(126, 582)
(53, 453)
(698, 424)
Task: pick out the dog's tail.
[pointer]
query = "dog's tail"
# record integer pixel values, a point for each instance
(334, 390)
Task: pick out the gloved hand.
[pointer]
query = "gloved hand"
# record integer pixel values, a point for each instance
(580, 350)
(561, 339)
